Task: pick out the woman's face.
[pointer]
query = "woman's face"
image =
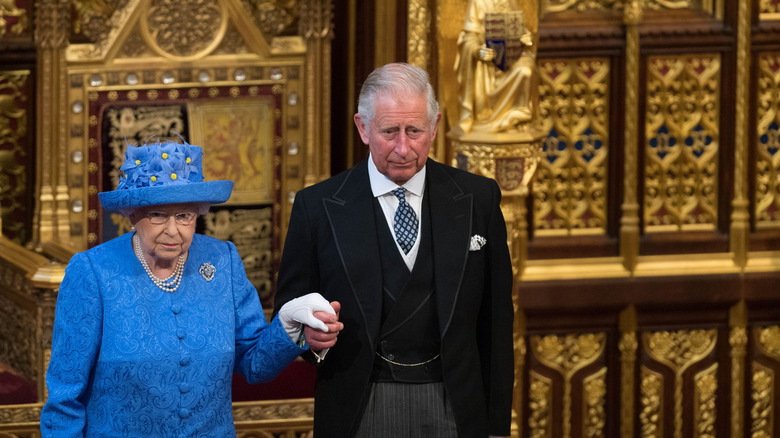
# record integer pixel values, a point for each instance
(167, 241)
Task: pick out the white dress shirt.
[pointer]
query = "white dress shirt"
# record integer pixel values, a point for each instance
(382, 189)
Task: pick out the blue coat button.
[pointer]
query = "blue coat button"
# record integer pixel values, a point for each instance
(181, 333)
(184, 412)
(176, 308)
(184, 361)
(184, 388)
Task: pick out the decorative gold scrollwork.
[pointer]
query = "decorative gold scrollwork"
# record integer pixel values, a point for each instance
(540, 405)
(594, 399)
(682, 147)
(762, 393)
(705, 391)
(568, 354)
(184, 29)
(570, 190)
(651, 416)
(679, 350)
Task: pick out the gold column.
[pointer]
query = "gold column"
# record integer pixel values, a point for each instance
(317, 30)
(628, 345)
(51, 219)
(629, 221)
(740, 216)
(738, 342)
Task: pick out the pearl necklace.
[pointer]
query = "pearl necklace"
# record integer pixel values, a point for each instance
(169, 284)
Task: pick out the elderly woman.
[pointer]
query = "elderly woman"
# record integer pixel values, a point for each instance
(150, 326)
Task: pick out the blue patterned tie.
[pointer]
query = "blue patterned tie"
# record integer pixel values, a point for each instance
(405, 222)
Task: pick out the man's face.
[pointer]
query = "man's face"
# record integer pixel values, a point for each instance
(399, 137)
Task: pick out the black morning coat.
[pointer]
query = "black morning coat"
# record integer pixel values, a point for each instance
(332, 248)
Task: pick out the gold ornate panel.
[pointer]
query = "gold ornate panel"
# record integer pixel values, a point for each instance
(15, 20)
(570, 191)
(566, 356)
(15, 155)
(548, 6)
(676, 352)
(767, 147)
(768, 10)
(682, 143)
(763, 394)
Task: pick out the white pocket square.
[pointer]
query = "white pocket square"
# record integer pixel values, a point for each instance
(477, 242)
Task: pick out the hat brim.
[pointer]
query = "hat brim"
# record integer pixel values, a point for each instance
(213, 192)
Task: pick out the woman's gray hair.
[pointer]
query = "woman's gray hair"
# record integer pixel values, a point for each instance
(397, 80)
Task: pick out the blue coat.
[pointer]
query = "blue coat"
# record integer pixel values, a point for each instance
(129, 360)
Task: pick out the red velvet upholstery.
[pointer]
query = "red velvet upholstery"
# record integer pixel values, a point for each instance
(296, 381)
(15, 389)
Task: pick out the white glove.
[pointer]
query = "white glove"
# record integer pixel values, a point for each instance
(299, 311)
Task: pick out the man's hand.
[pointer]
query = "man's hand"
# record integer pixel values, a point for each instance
(319, 340)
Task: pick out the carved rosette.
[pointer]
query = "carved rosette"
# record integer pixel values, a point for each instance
(184, 28)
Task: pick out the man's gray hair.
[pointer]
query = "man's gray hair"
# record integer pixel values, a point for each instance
(397, 80)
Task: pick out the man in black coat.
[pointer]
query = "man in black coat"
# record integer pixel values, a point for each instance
(422, 275)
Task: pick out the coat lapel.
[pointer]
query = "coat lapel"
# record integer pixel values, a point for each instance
(350, 213)
(450, 231)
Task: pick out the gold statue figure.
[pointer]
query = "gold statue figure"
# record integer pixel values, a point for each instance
(494, 81)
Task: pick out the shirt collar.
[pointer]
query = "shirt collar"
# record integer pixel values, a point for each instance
(381, 185)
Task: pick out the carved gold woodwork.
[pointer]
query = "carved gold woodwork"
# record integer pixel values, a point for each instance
(679, 350)
(28, 284)
(762, 395)
(550, 6)
(14, 20)
(740, 216)
(704, 408)
(540, 405)
(681, 150)
(252, 233)
(418, 53)
(651, 415)
(570, 190)
(768, 341)
(13, 152)
(627, 346)
(566, 355)
(767, 146)
(594, 399)
(629, 219)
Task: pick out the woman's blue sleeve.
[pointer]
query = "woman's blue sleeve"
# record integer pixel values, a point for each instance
(75, 345)
(262, 350)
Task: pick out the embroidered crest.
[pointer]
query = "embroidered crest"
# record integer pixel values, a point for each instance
(477, 242)
(207, 270)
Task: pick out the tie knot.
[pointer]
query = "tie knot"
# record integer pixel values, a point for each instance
(400, 193)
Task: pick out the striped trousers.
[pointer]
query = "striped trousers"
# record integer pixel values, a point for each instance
(407, 410)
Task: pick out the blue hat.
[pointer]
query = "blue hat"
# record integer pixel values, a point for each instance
(163, 173)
